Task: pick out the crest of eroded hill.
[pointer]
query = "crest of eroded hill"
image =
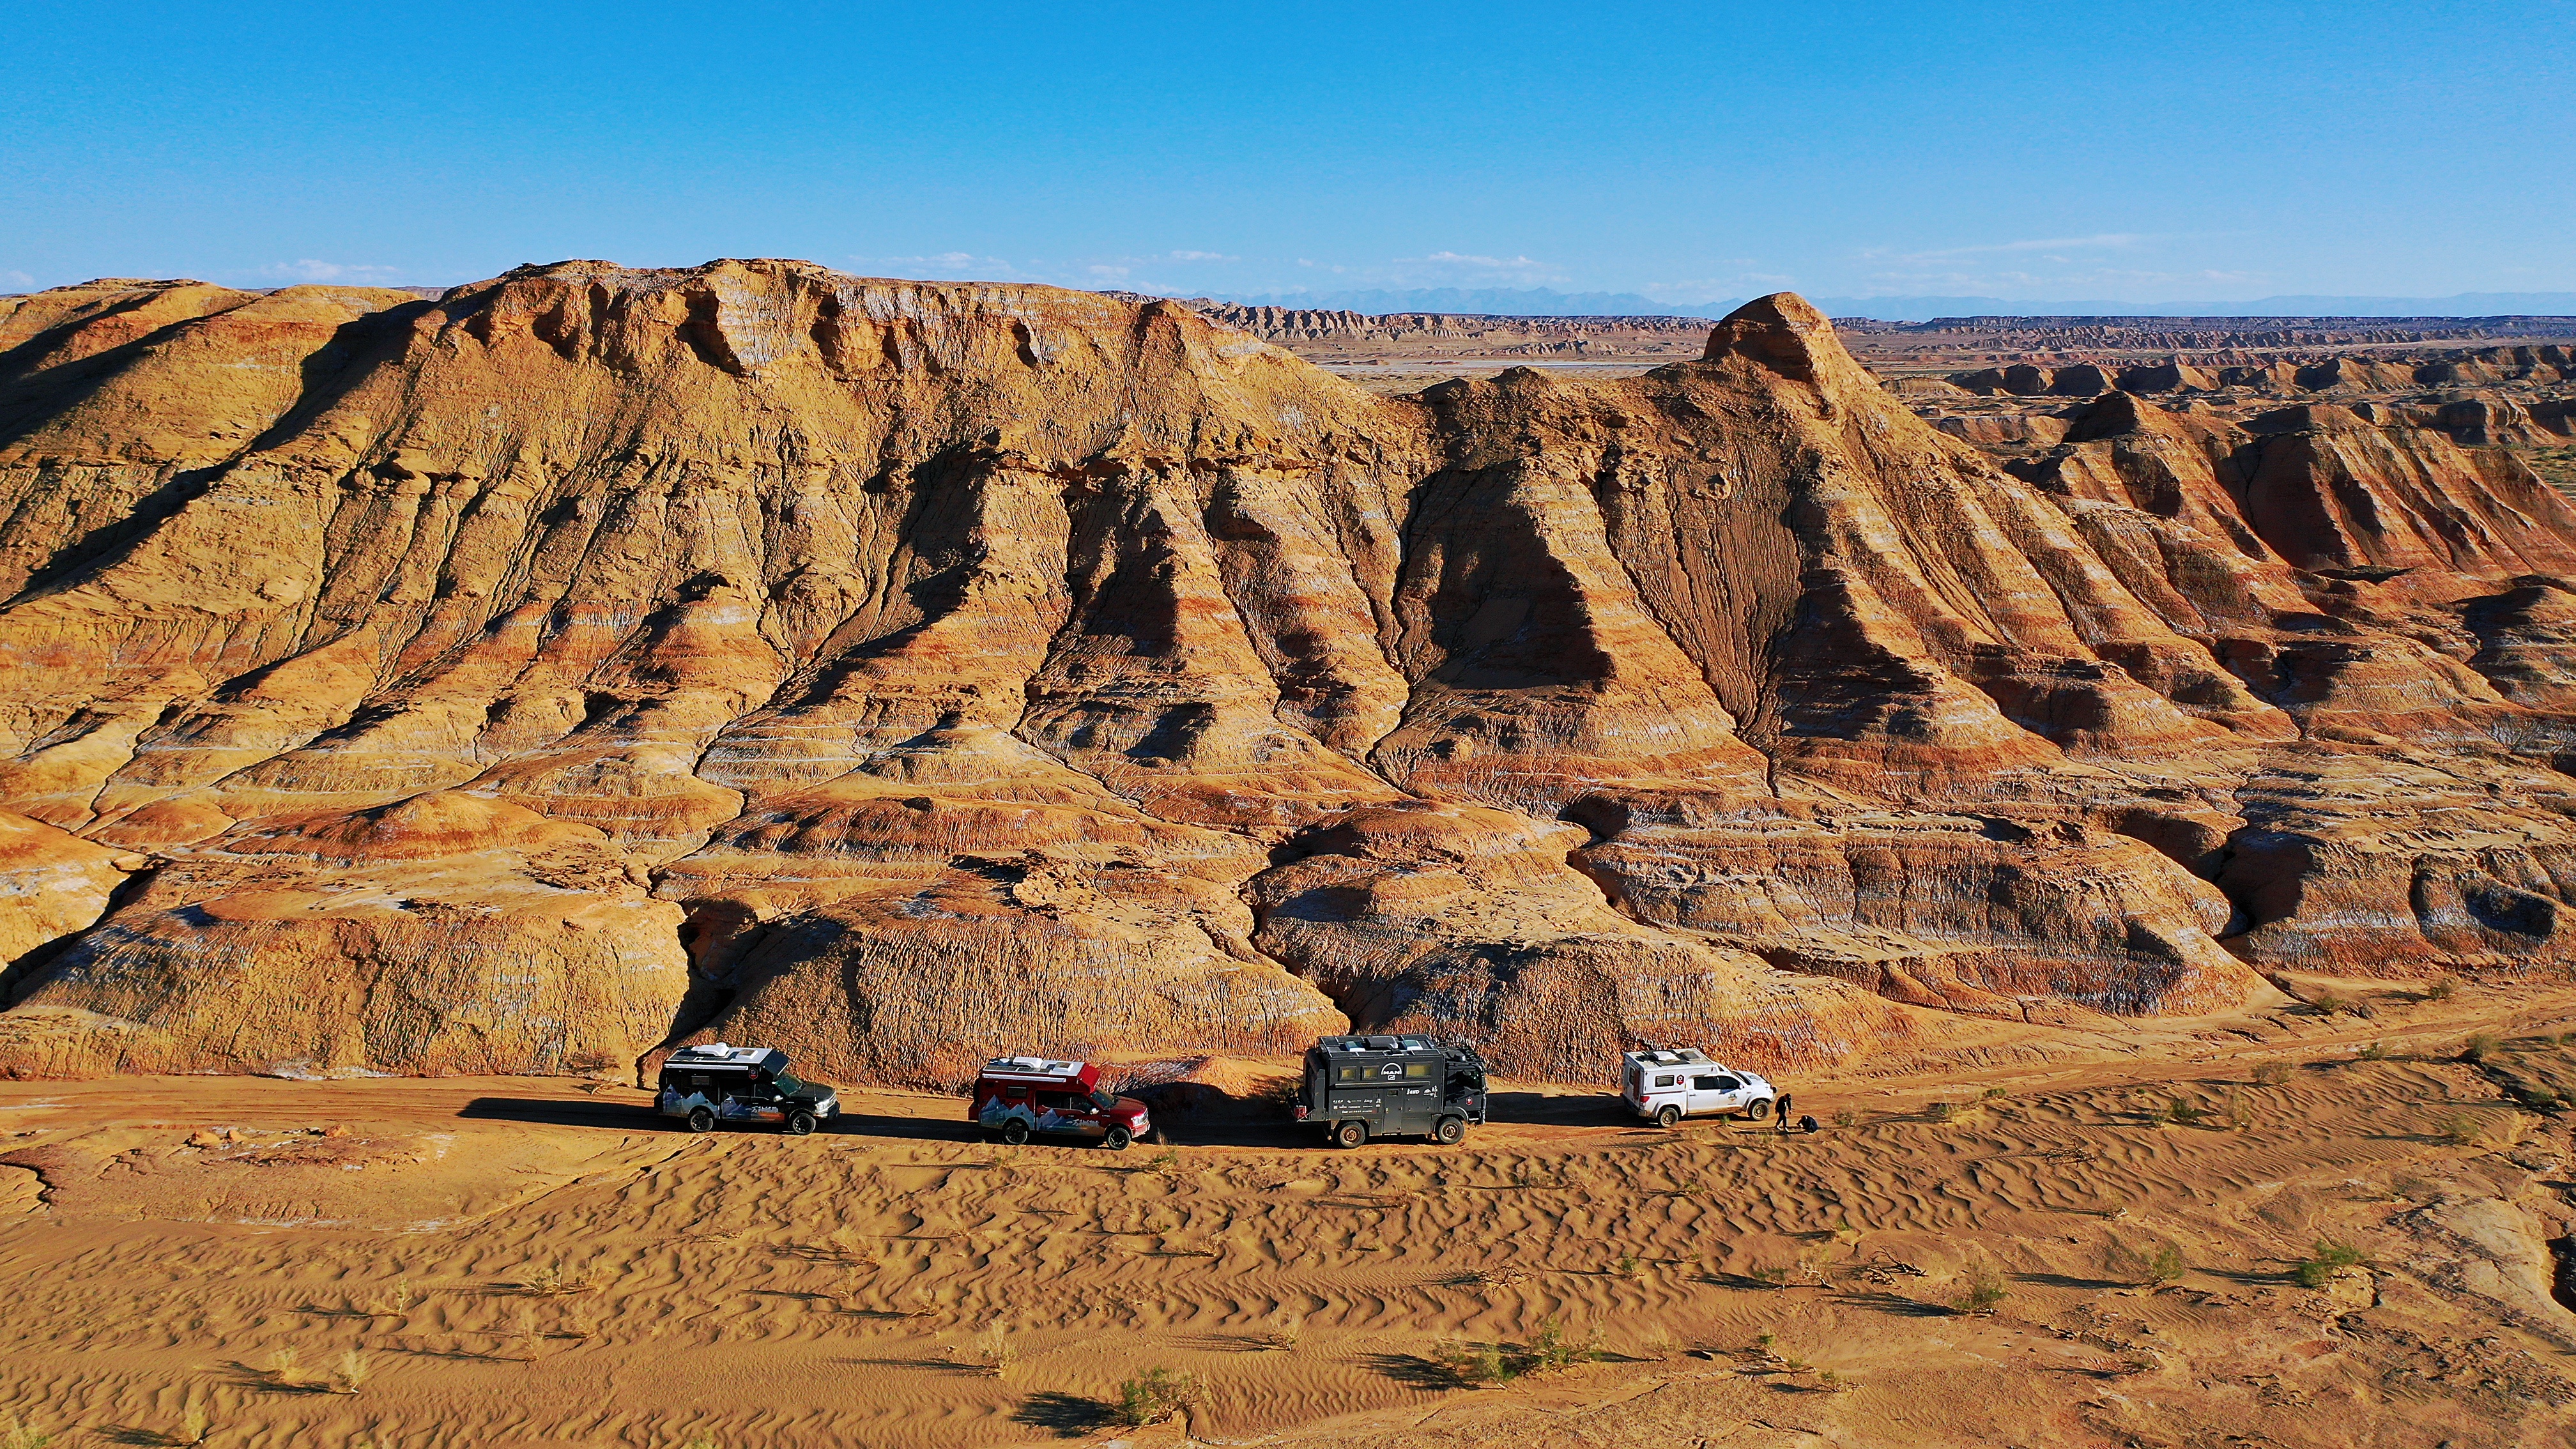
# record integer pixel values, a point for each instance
(903, 672)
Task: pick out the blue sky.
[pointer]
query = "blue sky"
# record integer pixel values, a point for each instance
(1688, 152)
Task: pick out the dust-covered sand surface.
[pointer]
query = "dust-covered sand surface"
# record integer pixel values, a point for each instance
(541, 1260)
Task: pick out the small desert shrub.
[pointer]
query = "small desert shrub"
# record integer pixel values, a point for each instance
(399, 1299)
(992, 1351)
(1626, 1267)
(2329, 1002)
(1157, 1395)
(1993, 1094)
(14, 1435)
(1939, 1112)
(2460, 1130)
(194, 1422)
(1491, 1363)
(2481, 1048)
(1981, 1288)
(1285, 1331)
(2237, 1112)
(1472, 1363)
(1165, 1162)
(1769, 1274)
(2272, 1074)
(2318, 1268)
(1833, 1383)
(551, 1281)
(700, 1441)
(2442, 990)
(2160, 1269)
(1551, 1349)
(283, 1369)
(351, 1373)
(1846, 1118)
(2375, 1052)
(2181, 1111)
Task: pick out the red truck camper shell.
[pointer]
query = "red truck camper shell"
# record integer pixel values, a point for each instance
(1017, 1097)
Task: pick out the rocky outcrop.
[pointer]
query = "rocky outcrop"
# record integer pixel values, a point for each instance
(592, 659)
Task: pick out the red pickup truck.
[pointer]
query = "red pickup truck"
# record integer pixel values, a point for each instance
(1017, 1097)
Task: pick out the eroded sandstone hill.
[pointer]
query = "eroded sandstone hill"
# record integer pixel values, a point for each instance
(591, 658)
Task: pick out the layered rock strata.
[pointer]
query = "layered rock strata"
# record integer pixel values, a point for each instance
(590, 659)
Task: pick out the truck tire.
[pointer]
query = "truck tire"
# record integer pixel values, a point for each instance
(1668, 1116)
(1350, 1134)
(1117, 1138)
(1015, 1131)
(799, 1122)
(1757, 1110)
(1450, 1132)
(701, 1119)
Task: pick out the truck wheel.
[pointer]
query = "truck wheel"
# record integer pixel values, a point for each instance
(1350, 1134)
(1015, 1131)
(799, 1122)
(701, 1120)
(1116, 1139)
(1759, 1109)
(1667, 1116)
(1450, 1132)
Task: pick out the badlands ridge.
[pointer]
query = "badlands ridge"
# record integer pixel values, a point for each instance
(525, 679)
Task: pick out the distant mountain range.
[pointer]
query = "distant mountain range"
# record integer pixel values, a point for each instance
(1545, 302)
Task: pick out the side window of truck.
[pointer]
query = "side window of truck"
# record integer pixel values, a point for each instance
(1666, 1081)
(1712, 1084)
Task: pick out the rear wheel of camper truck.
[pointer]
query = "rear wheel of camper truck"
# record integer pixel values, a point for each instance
(1667, 1116)
(1758, 1110)
(1450, 1132)
(1015, 1131)
(1351, 1134)
(799, 1122)
(1116, 1139)
(702, 1119)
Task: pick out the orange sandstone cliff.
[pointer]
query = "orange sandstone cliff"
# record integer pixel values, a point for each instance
(592, 659)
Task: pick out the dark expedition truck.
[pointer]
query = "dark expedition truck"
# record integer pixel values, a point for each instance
(1358, 1087)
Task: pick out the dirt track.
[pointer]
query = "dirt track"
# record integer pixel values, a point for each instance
(542, 1261)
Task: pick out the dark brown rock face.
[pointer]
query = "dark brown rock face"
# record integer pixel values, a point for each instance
(899, 672)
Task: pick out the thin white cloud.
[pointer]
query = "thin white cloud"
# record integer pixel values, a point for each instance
(2113, 240)
(1184, 256)
(1463, 259)
(17, 279)
(946, 264)
(309, 270)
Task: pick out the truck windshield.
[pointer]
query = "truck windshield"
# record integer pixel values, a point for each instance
(1104, 1100)
(788, 1086)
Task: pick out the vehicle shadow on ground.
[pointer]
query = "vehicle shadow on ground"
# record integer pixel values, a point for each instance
(1542, 1109)
(552, 1112)
(1220, 1127)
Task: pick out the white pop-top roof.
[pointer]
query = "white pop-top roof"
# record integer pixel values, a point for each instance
(1681, 1057)
(722, 1052)
(1031, 1067)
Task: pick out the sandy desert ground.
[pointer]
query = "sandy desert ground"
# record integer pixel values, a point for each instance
(538, 1260)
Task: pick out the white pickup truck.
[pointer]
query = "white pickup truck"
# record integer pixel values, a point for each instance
(1663, 1087)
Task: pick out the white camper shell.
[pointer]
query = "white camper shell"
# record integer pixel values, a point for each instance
(1663, 1087)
